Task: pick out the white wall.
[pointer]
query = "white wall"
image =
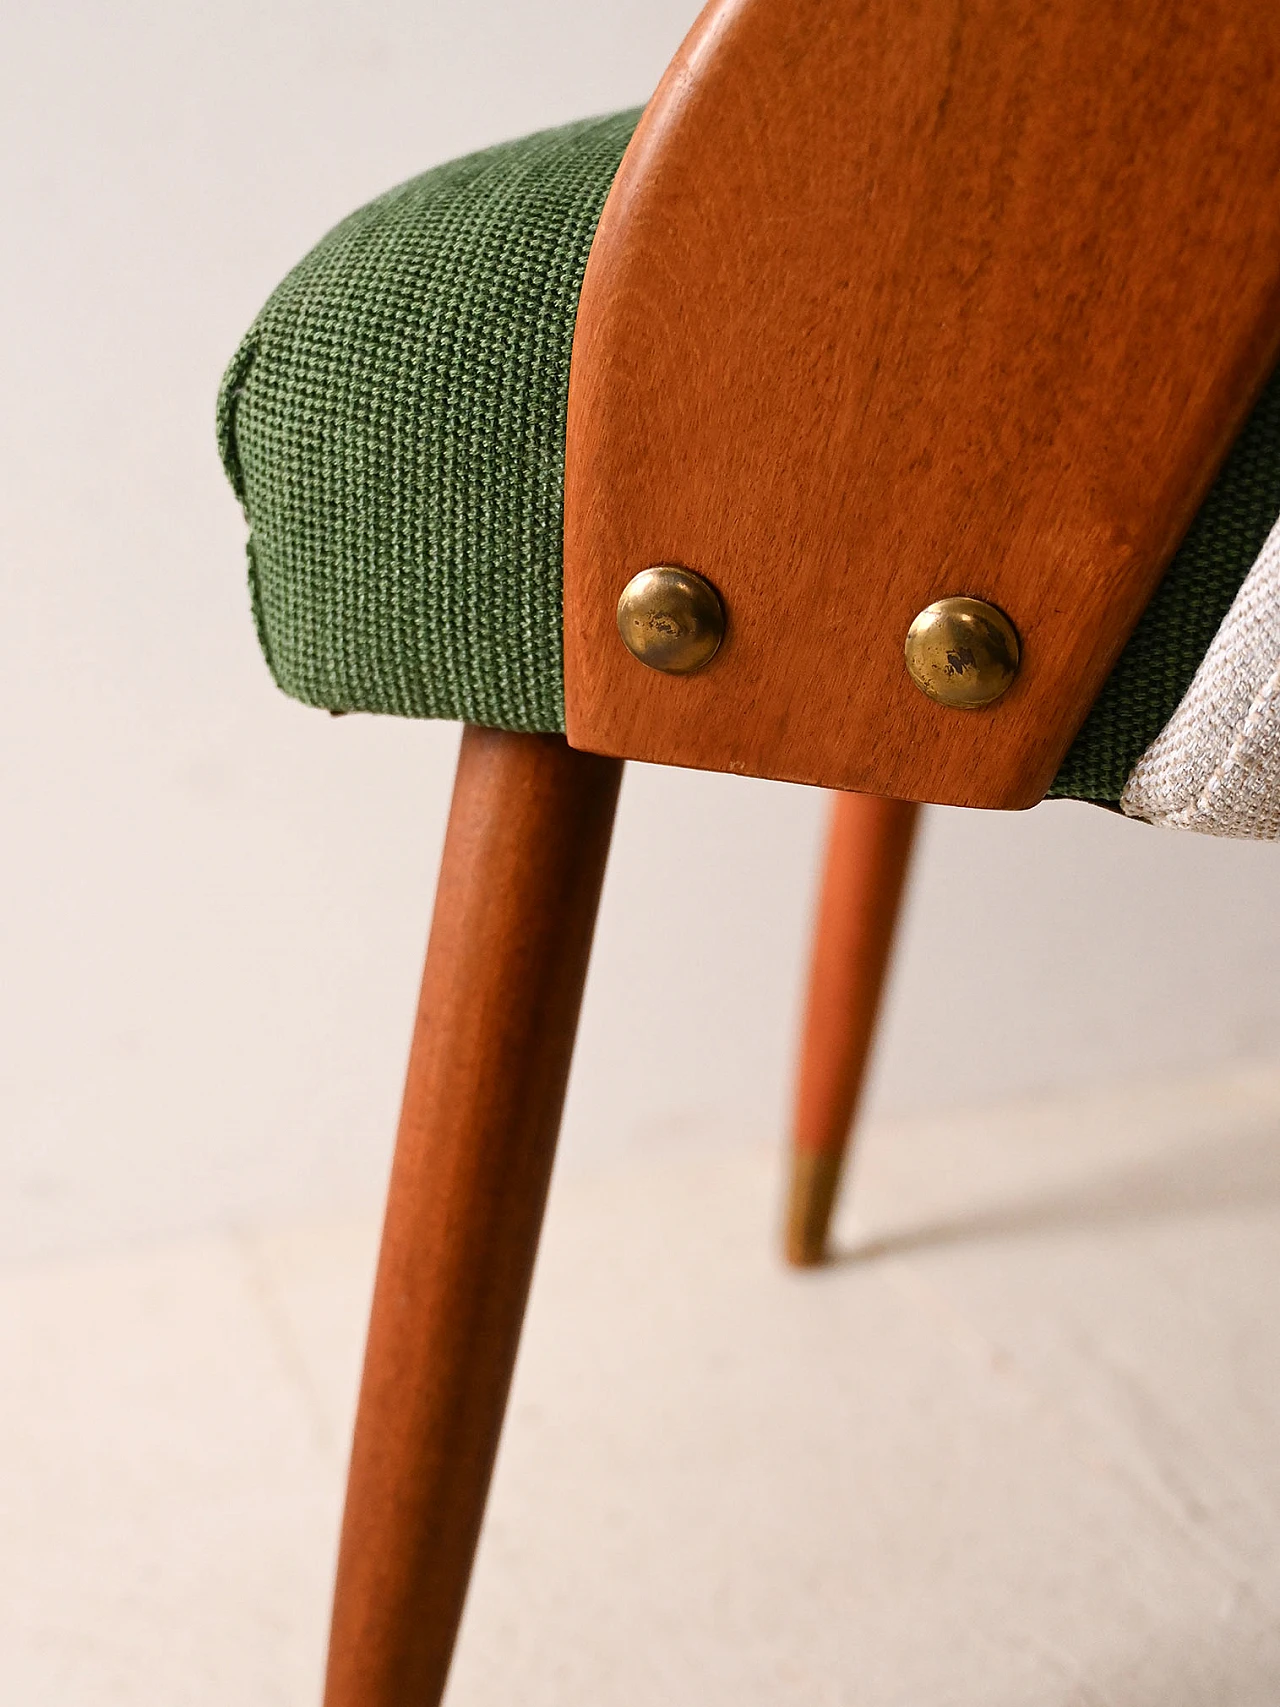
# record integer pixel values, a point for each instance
(213, 902)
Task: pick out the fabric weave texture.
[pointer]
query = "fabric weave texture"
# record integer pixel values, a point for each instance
(1215, 766)
(394, 425)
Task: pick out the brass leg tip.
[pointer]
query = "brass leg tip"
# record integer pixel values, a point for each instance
(804, 1253)
(815, 1179)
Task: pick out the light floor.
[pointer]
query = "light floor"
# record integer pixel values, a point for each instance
(1019, 1448)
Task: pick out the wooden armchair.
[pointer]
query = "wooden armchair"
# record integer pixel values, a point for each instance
(917, 347)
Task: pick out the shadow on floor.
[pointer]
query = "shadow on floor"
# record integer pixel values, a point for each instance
(1225, 1176)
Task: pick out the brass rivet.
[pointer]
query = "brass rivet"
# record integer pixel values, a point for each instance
(671, 619)
(962, 652)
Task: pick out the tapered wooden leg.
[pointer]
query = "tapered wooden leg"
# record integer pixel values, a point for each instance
(519, 884)
(868, 849)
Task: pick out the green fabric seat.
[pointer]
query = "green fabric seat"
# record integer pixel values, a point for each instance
(394, 426)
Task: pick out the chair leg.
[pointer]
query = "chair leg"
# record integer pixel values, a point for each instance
(868, 850)
(515, 909)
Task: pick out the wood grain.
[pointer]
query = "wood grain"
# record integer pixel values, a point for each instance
(868, 853)
(903, 299)
(519, 883)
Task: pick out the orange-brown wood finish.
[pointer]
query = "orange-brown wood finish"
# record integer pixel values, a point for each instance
(868, 852)
(903, 299)
(519, 883)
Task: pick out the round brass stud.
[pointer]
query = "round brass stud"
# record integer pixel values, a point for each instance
(962, 652)
(671, 619)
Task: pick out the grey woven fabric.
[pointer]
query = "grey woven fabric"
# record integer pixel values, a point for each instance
(394, 424)
(1215, 766)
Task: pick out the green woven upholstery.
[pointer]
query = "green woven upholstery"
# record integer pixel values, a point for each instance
(394, 425)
